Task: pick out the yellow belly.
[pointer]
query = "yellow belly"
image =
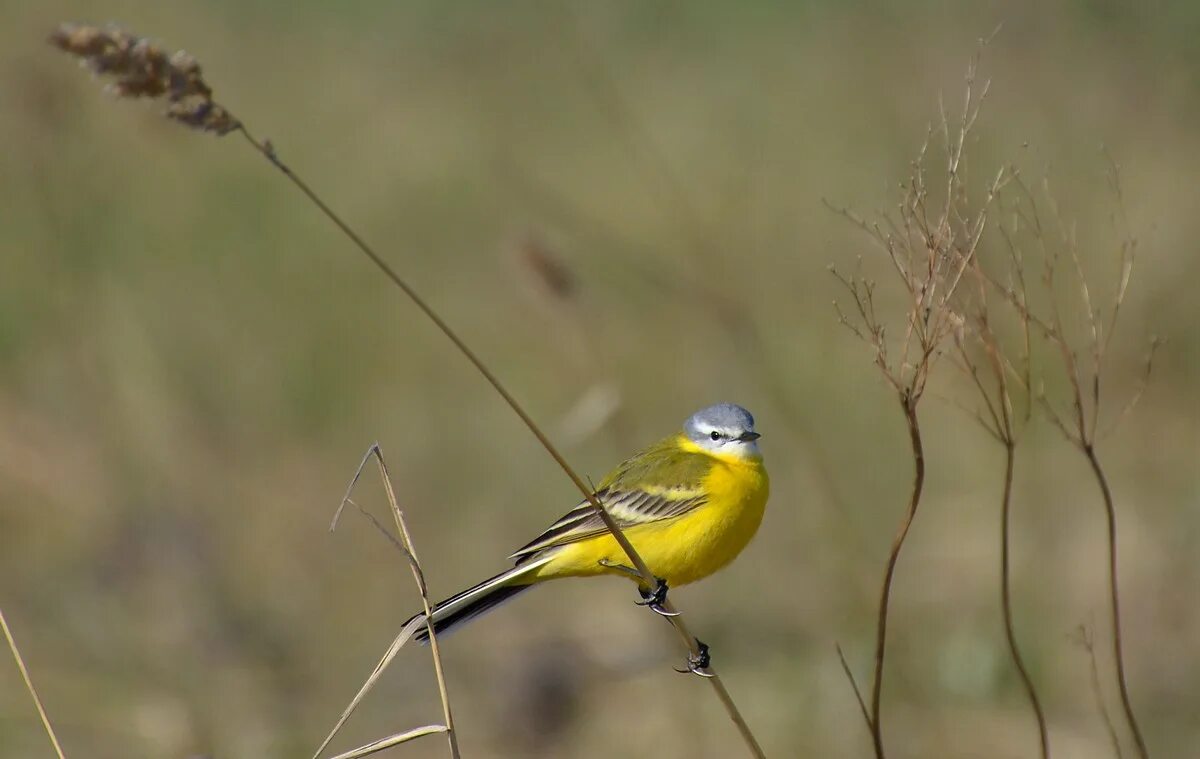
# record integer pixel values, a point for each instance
(689, 547)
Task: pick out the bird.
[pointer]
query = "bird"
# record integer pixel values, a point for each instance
(688, 504)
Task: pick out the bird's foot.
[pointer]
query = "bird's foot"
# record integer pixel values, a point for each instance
(654, 599)
(697, 663)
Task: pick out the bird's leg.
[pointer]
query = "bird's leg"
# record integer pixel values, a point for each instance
(651, 599)
(654, 599)
(621, 568)
(697, 663)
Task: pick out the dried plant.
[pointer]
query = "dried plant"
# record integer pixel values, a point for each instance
(930, 242)
(405, 546)
(105, 51)
(1078, 417)
(142, 69)
(933, 252)
(984, 360)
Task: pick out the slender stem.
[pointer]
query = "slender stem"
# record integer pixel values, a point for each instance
(914, 433)
(1110, 514)
(419, 577)
(1006, 598)
(647, 576)
(1099, 694)
(37, 702)
(862, 705)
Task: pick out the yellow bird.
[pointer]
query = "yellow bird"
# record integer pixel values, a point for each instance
(689, 504)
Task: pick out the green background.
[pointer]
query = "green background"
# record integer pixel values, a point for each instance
(192, 362)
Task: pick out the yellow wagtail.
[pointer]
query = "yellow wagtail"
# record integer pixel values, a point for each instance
(689, 504)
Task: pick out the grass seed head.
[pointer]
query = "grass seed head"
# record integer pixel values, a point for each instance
(140, 68)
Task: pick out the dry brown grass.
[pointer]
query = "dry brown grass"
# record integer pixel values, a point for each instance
(33, 694)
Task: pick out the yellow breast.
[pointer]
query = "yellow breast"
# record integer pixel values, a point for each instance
(704, 541)
(692, 546)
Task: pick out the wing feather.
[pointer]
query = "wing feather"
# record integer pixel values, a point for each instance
(628, 509)
(661, 483)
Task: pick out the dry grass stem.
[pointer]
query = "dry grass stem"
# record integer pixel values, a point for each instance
(80, 47)
(405, 545)
(375, 747)
(862, 705)
(37, 702)
(419, 577)
(400, 640)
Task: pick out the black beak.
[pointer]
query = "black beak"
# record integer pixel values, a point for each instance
(749, 436)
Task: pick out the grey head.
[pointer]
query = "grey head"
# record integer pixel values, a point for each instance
(724, 428)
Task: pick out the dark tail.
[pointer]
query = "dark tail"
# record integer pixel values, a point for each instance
(476, 600)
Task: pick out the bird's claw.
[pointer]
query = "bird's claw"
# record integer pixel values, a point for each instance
(654, 599)
(697, 663)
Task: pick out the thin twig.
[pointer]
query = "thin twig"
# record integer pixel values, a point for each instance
(1143, 383)
(37, 702)
(1085, 639)
(862, 705)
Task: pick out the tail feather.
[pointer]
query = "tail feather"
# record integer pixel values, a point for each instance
(476, 600)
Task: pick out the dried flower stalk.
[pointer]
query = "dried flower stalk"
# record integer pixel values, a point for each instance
(930, 243)
(1078, 419)
(996, 378)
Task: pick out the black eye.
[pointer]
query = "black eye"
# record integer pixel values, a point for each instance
(715, 435)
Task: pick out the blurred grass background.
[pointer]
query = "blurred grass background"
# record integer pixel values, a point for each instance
(192, 363)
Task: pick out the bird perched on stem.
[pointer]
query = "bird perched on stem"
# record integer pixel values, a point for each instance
(688, 504)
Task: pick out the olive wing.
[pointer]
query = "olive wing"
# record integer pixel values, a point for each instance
(663, 482)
